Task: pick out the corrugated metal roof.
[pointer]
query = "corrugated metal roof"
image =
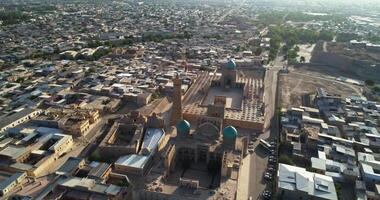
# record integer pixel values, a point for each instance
(135, 161)
(152, 138)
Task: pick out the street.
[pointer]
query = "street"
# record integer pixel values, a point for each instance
(251, 183)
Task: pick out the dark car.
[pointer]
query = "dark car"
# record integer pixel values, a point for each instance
(267, 194)
(268, 176)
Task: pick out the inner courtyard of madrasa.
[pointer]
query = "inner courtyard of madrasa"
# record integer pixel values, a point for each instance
(211, 123)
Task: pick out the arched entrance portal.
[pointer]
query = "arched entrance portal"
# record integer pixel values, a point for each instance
(228, 82)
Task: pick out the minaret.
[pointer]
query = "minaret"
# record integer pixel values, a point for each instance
(176, 115)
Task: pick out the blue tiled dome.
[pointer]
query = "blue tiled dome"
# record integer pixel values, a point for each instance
(230, 132)
(231, 64)
(183, 126)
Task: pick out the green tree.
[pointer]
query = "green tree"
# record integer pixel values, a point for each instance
(326, 35)
(285, 159)
(9, 17)
(187, 35)
(95, 156)
(376, 89)
(302, 59)
(346, 37)
(292, 54)
(369, 82)
(258, 51)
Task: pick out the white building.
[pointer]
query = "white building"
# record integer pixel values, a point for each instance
(297, 183)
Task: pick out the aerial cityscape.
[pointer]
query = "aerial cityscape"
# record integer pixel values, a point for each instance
(189, 99)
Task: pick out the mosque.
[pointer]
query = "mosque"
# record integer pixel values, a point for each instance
(207, 137)
(212, 138)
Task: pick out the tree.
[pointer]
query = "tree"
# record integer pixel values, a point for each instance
(338, 189)
(128, 41)
(297, 48)
(285, 159)
(258, 51)
(92, 70)
(285, 49)
(376, 89)
(187, 35)
(369, 82)
(326, 35)
(95, 156)
(12, 17)
(292, 54)
(346, 37)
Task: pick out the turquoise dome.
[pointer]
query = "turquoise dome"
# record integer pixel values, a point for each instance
(183, 126)
(230, 132)
(231, 64)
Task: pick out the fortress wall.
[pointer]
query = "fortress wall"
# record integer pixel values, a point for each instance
(361, 69)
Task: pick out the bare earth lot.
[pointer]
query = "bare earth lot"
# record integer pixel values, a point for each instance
(302, 80)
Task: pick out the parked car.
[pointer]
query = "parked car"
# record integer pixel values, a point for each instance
(272, 160)
(267, 194)
(268, 176)
(271, 169)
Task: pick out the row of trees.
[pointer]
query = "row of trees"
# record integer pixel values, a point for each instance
(159, 37)
(291, 37)
(12, 17)
(278, 17)
(347, 37)
(305, 17)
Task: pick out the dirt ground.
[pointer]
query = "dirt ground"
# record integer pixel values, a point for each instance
(300, 81)
(305, 51)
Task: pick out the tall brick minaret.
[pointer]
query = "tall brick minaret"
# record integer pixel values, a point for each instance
(176, 115)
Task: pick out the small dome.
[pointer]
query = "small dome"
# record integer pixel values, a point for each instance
(230, 132)
(231, 64)
(183, 126)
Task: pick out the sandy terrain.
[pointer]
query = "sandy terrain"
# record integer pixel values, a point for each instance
(301, 81)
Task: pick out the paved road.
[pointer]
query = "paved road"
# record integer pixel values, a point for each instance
(251, 181)
(259, 159)
(236, 8)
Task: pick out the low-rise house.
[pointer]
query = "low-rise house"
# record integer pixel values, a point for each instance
(297, 183)
(86, 188)
(17, 117)
(9, 183)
